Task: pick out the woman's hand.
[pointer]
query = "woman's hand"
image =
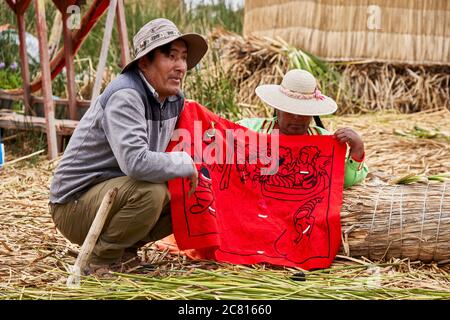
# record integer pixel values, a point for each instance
(354, 141)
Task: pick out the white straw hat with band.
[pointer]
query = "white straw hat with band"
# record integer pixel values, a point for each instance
(159, 32)
(297, 94)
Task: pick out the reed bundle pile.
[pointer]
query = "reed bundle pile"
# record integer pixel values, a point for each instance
(402, 221)
(357, 86)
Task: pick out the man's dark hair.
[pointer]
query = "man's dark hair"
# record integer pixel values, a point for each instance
(165, 50)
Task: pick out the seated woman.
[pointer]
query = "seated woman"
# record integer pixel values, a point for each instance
(296, 101)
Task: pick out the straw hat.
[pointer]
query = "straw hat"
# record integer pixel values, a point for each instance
(161, 31)
(297, 94)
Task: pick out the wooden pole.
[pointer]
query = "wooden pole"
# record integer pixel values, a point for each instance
(55, 34)
(22, 5)
(91, 239)
(12, 5)
(104, 51)
(15, 121)
(41, 27)
(123, 36)
(25, 68)
(24, 157)
(70, 69)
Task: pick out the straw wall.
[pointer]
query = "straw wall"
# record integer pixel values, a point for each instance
(410, 31)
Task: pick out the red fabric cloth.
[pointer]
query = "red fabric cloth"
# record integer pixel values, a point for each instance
(241, 216)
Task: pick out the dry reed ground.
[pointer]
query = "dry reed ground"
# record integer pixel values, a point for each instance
(34, 257)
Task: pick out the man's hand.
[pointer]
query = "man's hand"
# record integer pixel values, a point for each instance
(354, 141)
(194, 181)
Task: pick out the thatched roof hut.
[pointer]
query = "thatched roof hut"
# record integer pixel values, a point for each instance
(405, 31)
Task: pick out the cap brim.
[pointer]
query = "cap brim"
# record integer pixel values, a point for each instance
(196, 46)
(271, 95)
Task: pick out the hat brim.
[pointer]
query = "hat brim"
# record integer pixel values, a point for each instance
(196, 46)
(272, 96)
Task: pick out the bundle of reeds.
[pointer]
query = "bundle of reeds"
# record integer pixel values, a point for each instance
(371, 86)
(402, 221)
(213, 281)
(249, 63)
(356, 86)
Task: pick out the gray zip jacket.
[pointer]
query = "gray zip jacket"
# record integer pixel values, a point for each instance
(125, 132)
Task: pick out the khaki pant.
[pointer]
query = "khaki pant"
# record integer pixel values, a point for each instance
(140, 214)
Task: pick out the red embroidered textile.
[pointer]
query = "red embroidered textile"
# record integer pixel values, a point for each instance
(240, 215)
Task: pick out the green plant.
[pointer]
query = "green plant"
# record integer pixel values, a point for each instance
(413, 178)
(423, 133)
(209, 85)
(25, 143)
(217, 13)
(59, 85)
(10, 79)
(327, 76)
